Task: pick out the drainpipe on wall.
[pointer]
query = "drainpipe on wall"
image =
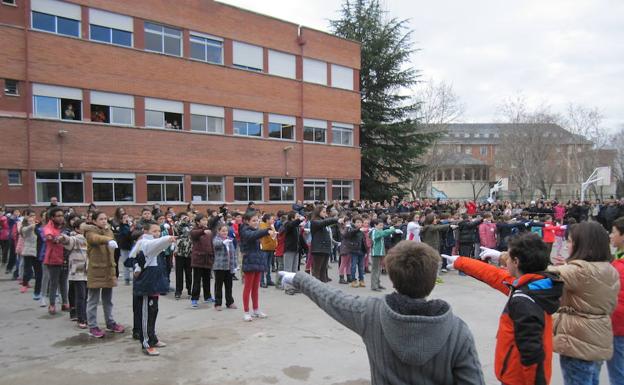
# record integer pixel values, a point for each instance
(29, 102)
(301, 42)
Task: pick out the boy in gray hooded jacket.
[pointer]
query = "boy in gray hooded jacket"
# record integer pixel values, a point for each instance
(409, 339)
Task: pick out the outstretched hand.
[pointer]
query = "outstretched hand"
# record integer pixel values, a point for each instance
(287, 277)
(450, 260)
(487, 253)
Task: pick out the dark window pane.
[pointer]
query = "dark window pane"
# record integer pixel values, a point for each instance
(308, 134)
(103, 192)
(154, 192)
(172, 193)
(100, 114)
(240, 193)
(71, 109)
(71, 192)
(124, 192)
(214, 54)
(172, 45)
(198, 123)
(215, 193)
(71, 175)
(288, 193)
(47, 190)
(47, 175)
(68, 27)
(319, 135)
(275, 193)
(197, 51)
(198, 192)
(173, 120)
(172, 31)
(100, 33)
(254, 129)
(255, 193)
(198, 178)
(275, 130)
(153, 42)
(288, 131)
(308, 193)
(122, 37)
(43, 21)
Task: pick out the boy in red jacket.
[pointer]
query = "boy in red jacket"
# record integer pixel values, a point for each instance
(524, 338)
(615, 365)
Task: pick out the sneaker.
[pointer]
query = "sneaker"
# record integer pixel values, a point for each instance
(65, 307)
(36, 297)
(258, 314)
(342, 280)
(151, 352)
(96, 332)
(73, 318)
(247, 317)
(23, 289)
(136, 336)
(362, 284)
(116, 328)
(43, 302)
(194, 304)
(82, 325)
(354, 284)
(444, 270)
(52, 309)
(160, 344)
(381, 287)
(270, 284)
(177, 296)
(209, 300)
(232, 306)
(218, 308)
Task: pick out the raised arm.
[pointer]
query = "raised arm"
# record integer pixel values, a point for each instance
(492, 275)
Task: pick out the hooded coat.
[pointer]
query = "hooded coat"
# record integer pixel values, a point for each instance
(408, 340)
(101, 272)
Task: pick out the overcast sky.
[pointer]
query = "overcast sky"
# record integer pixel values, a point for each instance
(554, 52)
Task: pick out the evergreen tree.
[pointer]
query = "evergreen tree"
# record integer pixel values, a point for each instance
(391, 141)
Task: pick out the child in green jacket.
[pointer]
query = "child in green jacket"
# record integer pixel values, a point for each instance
(378, 251)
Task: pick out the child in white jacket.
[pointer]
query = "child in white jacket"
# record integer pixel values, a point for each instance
(76, 243)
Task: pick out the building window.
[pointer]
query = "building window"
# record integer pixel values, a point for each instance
(247, 56)
(314, 130)
(50, 107)
(55, 24)
(281, 190)
(342, 77)
(282, 64)
(113, 187)
(10, 87)
(281, 127)
(159, 38)
(66, 186)
(248, 123)
(110, 35)
(484, 151)
(208, 49)
(314, 190)
(448, 174)
(468, 151)
(207, 188)
(248, 189)
(165, 188)
(112, 108)
(15, 177)
(342, 190)
(342, 134)
(163, 114)
(315, 71)
(8, 2)
(207, 118)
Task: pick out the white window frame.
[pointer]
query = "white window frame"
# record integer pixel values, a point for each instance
(6, 89)
(314, 71)
(205, 41)
(112, 102)
(56, 17)
(112, 179)
(60, 181)
(164, 106)
(12, 3)
(163, 186)
(58, 93)
(207, 183)
(110, 35)
(315, 125)
(283, 121)
(315, 184)
(238, 61)
(162, 34)
(342, 129)
(249, 184)
(208, 112)
(281, 183)
(19, 177)
(282, 64)
(247, 117)
(342, 184)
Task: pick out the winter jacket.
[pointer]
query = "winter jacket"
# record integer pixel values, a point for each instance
(202, 255)
(487, 234)
(353, 241)
(77, 247)
(582, 325)
(321, 235)
(267, 243)
(225, 257)
(408, 340)
(253, 259)
(54, 248)
(468, 231)
(4, 228)
(617, 319)
(430, 234)
(30, 240)
(151, 279)
(506, 231)
(560, 212)
(290, 230)
(101, 272)
(524, 341)
(378, 249)
(184, 245)
(123, 236)
(413, 231)
(471, 208)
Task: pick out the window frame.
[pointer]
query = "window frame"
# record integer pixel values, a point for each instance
(205, 42)
(56, 28)
(281, 183)
(248, 184)
(110, 35)
(482, 152)
(234, 128)
(59, 182)
(342, 130)
(281, 131)
(163, 186)
(114, 180)
(314, 129)
(12, 3)
(205, 118)
(19, 177)
(111, 115)
(162, 35)
(7, 89)
(315, 184)
(342, 184)
(207, 183)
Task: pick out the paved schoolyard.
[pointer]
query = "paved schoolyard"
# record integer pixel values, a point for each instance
(297, 344)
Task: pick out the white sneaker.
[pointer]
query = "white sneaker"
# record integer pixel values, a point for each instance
(247, 317)
(43, 302)
(258, 314)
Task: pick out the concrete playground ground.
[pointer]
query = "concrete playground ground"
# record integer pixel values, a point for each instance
(296, 344)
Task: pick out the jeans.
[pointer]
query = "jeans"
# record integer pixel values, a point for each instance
(580, 372)
(615, 365)
(58, 281)
(107, 304)
(80, 300)
(268, 260)
(357, 261)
